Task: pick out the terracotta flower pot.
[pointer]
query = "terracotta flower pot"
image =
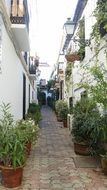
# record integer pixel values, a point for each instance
(65, 123)
(82, 149)
(72, 57)
(12, 177)
(104, 165)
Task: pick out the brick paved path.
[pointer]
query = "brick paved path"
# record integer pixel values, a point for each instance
(52, 166)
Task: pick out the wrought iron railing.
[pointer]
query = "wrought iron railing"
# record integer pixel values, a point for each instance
(32, 69)
(19, 15)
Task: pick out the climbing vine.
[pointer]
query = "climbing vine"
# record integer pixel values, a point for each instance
(68, 74)
(97, 89)
(100, 27)
(81, 35)
(68, 71)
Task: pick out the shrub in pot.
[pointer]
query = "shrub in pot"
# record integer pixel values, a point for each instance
(12, 158)
(104, 163)
(99, 136)
(58, 107)
(102, 133)
(62, 111)
(86, 118)
(29, 132)
(34, 112)
(13, 139)
(33, 107)
(99, 93)
(12, 150)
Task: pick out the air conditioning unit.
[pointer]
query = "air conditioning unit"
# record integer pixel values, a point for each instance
(69, 122)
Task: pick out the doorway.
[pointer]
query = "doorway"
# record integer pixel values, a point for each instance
(24, 96)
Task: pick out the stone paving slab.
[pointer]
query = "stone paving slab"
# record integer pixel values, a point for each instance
(87, 162)
(51, 164)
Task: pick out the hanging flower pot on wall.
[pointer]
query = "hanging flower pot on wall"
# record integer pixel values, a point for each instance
(72, 57)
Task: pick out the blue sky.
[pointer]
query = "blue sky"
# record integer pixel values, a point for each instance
(48, 18)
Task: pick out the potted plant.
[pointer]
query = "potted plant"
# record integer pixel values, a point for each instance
(71, 57)
(58, 107)
(85, 118)
(98, 91)
(12, 150)
(62, 111)
(104, 163)
(12, 158)
(34, 113)
(102, 132)
(29, 132)
(13, 139)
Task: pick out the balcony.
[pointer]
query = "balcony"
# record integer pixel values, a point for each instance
(32, 69)
(20, 23)
(32, 72)
(37, 62)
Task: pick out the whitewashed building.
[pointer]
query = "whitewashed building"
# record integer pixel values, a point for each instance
(17, 79)
(95, 49)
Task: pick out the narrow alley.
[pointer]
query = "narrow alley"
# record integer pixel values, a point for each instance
(53, 165)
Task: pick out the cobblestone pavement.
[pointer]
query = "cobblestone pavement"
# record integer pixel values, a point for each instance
(51, 164)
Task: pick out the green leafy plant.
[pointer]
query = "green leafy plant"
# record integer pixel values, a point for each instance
(58, 106)
(62, 109)
(68, 71)
(28, 129)
(6, 120)
(81, 35)
(34, 112)
(12, 149)
(50, 84)
(85, 118)
(13, 138)
(98, 91)
(100, 27)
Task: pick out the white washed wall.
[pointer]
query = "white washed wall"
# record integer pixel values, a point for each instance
(11, 78)
(27, 94)
(90, 58)
(8, 6)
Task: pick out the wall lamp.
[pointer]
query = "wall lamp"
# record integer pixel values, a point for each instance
(70, 28)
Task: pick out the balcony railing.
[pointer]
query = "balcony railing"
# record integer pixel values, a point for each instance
(19, 12)
(36, 62)
(32, 69)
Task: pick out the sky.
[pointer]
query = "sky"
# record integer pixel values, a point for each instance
(46, 29)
